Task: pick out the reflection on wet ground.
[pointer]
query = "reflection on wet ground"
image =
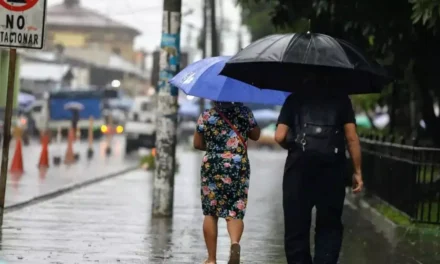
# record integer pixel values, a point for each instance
(110, 222)
(35, 182)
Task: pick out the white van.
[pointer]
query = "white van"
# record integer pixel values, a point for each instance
(140, 128)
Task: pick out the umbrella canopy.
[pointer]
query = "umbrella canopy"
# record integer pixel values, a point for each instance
(74, 106)
(202, 79)
(25, 99)
(283, 61)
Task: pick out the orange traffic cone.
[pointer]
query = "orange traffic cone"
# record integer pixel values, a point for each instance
(70, 156)
(42, 174)
(44, 157)
(17, 160)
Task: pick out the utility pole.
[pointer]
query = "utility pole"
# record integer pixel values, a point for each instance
(222, 26)
(203, 42)
(240, 40)
(166, 113)
(214, 34)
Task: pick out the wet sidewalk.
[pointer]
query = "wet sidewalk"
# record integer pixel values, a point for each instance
(111, 222)
(34, 183)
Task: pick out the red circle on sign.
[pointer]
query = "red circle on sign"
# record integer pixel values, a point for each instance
(18, 8)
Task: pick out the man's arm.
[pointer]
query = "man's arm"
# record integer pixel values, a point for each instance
(354, 146)
(285, 122)
(281, 135)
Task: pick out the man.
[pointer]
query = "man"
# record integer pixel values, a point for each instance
(314, 130)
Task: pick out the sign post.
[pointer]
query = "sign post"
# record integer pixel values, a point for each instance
(21, 26)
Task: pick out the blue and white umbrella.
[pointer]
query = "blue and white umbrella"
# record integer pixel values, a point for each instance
(202, 79)
(74, 106)
(25, 99)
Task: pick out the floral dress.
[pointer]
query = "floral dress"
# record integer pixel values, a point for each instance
(225, 169)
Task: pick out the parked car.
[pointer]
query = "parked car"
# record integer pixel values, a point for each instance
(140, 128)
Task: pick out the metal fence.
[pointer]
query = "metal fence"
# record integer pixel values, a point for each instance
(405, 176)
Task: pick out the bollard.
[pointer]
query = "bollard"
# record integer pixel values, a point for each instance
(77, 140)
(90, 148)
(57, 157)
(110, 131)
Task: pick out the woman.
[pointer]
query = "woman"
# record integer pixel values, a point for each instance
(223, 131)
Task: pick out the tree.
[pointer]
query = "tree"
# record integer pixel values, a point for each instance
(257, 18)
(401, 35)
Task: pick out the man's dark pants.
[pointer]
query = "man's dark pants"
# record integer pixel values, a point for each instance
(307, 185)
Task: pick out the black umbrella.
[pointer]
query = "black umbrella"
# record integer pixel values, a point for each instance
(282, 62)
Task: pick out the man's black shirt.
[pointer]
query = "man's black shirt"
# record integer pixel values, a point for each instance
(287, 115)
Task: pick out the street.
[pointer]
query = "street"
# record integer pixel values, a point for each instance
(110, 222)
(33, 183)
(125, 82)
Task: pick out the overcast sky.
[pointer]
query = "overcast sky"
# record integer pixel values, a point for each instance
(146, 15)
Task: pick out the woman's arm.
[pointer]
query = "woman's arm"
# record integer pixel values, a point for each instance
(199, 141)
(254, 129)
(254, 134)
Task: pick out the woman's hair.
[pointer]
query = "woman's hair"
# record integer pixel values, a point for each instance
(221, 104)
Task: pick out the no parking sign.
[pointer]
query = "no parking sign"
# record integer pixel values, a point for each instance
(22, 23)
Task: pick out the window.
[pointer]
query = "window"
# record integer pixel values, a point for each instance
(37, 108)
(146, 107)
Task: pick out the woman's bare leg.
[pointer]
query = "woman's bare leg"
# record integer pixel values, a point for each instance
(235, 230)
(210, 233)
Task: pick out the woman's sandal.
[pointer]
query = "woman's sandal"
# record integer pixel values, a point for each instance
(209, 262)
(234, 257)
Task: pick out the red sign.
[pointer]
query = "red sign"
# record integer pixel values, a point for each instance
(18, 5)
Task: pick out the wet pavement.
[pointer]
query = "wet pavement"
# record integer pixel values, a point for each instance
(110, 222)
(34, 183)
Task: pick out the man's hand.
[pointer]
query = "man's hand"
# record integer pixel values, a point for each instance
(358, 184)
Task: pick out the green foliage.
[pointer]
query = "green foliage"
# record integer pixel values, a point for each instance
(149, 163)
(403, 220)
(400, 34)
(426, 12)
(366, 101)
(257, 16)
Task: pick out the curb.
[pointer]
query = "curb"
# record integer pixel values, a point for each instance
(392, 232)
(65, 189)
(382, 224)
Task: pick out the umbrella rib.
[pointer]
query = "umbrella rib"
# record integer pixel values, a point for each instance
(270, 46)
(308, 49)
(355, 50)
(340, 48)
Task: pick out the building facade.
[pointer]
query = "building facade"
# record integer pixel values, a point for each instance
(70, 25)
